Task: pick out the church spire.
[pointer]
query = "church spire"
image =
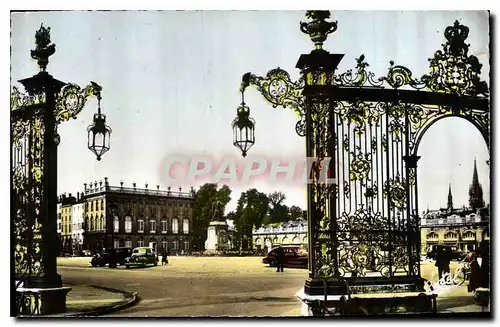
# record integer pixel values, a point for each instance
(475, 190)
(450, 199)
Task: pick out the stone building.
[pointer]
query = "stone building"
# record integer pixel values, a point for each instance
(66, 218)
(130, 217)
(464, 228)
(289, 233)
(78, 213)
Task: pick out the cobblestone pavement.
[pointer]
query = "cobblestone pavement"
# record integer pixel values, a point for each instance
(221, 286)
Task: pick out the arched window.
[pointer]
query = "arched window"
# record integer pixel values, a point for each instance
(284, 240)
(296, 240)
(116, 224)
(175, 226)
(432, 236)
(275, 241)
(185, 226)
(450, 235)
(258, 242)
(128, 224)
(469, 235)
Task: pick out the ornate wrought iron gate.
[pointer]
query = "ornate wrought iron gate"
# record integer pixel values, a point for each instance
(365, 228)
(34, 139)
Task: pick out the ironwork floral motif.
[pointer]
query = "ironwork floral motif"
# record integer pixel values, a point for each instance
(396, 190)
(452, 70)
(27, 194)
(73, 98)
(360, 166)
(360, 77)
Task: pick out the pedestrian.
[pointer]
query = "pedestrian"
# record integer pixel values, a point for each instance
(475, 273)
(164, 260)
(443, 260)
(281, 259)
(484, 252)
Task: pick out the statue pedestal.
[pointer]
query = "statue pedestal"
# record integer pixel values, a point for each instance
(217, 239)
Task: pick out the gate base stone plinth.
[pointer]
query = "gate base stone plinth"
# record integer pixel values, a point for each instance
(367, 304)
(41, 301)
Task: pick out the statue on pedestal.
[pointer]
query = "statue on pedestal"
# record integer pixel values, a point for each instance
(217, 238)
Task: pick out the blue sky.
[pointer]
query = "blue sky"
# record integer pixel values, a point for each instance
(170, 85)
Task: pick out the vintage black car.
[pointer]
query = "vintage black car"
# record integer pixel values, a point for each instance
(111, 257)
(454, 253)
(295, 257)
(142, 256)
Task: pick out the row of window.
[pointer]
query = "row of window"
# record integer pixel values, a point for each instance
(164, 244)
(152, 225)
(451, 235)
(285, 240)
(99, 205)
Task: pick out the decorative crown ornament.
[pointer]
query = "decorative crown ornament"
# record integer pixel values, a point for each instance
(318, 29)
(43, 48)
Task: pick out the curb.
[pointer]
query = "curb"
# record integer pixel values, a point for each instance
(130, 299)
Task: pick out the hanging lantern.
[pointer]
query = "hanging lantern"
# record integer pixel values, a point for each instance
(99, 133)
(243, 129)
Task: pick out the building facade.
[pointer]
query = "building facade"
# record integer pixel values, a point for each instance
(66, 213)
(289, 233)
(77, 215)
(118, 216)
(464, 228)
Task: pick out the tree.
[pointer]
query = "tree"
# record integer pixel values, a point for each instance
(278, 212)
(250, 212)
(203, 210)
(295, 213)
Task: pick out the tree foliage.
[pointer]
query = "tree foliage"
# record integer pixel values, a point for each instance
(250, 212)
(209, 204)
(278, 212)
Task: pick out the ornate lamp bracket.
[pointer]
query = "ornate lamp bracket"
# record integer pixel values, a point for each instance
(279, 90)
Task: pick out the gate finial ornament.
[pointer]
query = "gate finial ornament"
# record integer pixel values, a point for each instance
(318, 29)
(43, 47)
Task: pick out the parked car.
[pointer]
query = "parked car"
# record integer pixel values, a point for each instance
(142, 256)
(295, 257)
(455, 254)
(111, 257)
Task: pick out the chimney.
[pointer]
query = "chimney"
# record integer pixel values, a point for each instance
(133, 184)
(121, 184)
(106, 183)
(85, 186)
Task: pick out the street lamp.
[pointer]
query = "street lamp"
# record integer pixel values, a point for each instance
(243, 126)
(99, 132)
(34, 140)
